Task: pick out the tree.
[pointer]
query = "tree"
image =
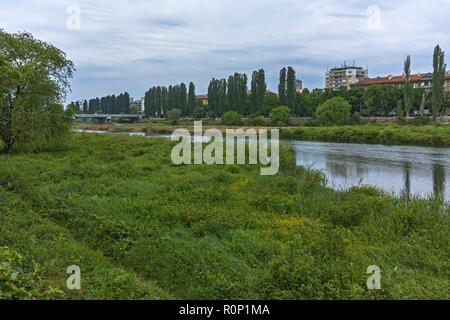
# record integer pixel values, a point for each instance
(261, 88)
(85, 106)
(280, 116)
(335, 111)
(408, 91)
(34, 82)
(270, 102)
(437, 84)
(126, 103)
(199, 112)
(399, 110)
(191, 99)
(173, 115)
(258, 90)
(282, 87)
(182, 99)
(290, 87)
(231, 118)
(254, 94)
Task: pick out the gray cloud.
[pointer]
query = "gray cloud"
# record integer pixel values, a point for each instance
(135, 44)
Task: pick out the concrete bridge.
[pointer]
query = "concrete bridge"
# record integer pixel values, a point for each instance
(108, 117)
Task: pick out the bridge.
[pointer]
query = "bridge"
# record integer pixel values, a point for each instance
(108, 117)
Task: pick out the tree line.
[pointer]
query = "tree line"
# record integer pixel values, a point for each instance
(160, 100)
(233, 95)
(110, 104)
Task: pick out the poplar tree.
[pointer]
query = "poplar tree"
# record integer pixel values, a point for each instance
(261, 89)
(282, 87)
(290, 94)
(254, 93)
(182, 99)
(191, 102)
(437, 84)
(408, 91)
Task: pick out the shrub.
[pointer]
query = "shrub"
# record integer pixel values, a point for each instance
(258, 121)
(199, 112)
(356, 118)
(231, 118)
(280, 116)
(173, 116)
(335, 111)
(16, 284)
(287, 157)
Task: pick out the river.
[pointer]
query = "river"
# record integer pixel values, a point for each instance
(420, 171)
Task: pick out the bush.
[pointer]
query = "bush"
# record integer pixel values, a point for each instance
(231, 118)
(356, 118)
(199, 112)
(173, 116)
(335, 111)
(258, 121)
(16, 284)
(280, 116)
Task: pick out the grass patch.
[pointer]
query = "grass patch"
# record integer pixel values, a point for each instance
(142, 228)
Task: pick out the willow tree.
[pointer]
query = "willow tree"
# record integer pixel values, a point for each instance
(408, 91)
(33, 85)
(437, 85)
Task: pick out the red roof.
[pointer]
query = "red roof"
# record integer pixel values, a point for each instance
(397, 79)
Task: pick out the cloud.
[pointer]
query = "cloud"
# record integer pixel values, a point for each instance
(135, 44)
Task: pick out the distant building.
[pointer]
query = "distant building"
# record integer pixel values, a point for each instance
(344, 76)
(202, 98)
(298, 85)
(420, 80)
(137, 104)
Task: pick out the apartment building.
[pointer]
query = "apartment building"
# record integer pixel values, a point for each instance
(344, 76)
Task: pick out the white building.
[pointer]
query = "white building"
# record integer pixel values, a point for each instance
(344, 76)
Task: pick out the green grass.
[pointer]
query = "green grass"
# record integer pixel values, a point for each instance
(142, 228)
(388, 133)
(384, 133)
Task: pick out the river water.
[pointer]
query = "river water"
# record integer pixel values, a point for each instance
(421, 171)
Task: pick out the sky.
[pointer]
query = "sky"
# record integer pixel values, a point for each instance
(132, 45)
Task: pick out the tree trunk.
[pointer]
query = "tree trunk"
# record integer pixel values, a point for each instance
(8, 148)
(422, 105)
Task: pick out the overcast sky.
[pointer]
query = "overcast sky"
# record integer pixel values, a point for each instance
(131, 45)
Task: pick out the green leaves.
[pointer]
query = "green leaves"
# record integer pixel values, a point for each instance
(335, 111)
(15, 283)
(35, 78)
(437, 85)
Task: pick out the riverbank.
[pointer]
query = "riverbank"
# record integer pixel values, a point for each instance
(382, 133)
(140, 227)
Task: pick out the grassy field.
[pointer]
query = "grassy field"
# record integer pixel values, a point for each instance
(384, 133)
(141, 228)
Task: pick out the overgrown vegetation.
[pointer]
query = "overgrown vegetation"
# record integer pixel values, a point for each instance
(388, 133)
(417, 131)
(142, 228)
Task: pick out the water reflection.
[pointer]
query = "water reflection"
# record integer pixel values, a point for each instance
(399, 169)
(438, 179)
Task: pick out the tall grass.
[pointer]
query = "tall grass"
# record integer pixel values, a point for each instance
(141, 227)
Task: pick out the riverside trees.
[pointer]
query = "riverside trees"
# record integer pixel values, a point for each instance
(34, 82)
